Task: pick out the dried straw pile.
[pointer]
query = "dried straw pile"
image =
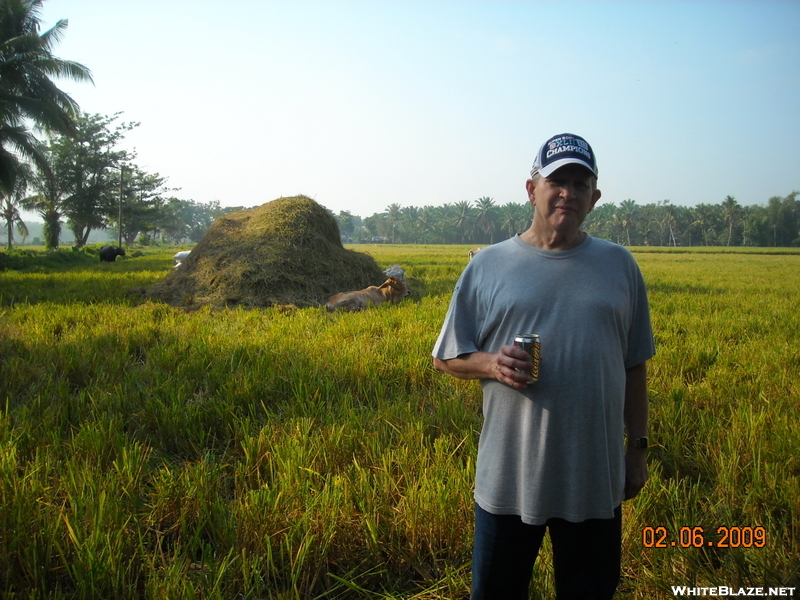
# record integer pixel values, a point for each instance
(287, 251)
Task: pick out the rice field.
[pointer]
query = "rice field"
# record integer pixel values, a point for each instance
(149, 452)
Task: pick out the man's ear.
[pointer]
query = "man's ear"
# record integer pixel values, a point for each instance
(595, 197)
(530, 186)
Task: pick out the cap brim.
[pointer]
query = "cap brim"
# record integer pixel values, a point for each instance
(557, 164)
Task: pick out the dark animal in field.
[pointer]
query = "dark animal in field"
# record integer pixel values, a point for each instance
(110, 253)
(391, 290)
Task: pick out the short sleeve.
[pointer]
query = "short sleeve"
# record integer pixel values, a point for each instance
(461, 328)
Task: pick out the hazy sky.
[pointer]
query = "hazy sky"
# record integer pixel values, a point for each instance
(364, 104)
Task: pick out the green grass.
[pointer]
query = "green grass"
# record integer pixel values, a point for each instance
(146, 452)
(765, 250)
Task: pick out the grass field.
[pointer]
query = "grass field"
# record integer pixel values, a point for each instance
(147, 452)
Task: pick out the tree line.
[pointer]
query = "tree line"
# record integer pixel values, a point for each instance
(91, 185)
(657, 224)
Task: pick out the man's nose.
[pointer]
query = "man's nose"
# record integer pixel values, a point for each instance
(568, 190)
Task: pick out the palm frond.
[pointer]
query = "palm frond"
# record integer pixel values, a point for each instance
(27, 90)
(55, 34)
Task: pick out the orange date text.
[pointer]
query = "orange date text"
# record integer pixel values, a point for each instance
(696, 537)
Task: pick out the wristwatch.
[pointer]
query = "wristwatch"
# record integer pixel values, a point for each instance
(638, 443)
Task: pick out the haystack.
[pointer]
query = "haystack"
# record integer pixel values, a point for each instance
(287, 251)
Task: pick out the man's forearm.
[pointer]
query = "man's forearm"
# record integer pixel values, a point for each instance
(466, 366)
(635, 416)
(636, 403)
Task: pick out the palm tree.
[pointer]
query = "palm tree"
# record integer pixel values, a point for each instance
(393, 214)
(486, 216)
(410, 215)
(731, 211)
(444, 219)
(48, 202)
(664, 217)
(27, 92)
(463, 219)
(705, 217)
(426, 220)
(11, 203)
(617, 226)
(627, 214)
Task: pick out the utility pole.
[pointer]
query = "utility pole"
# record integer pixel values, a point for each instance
(121, 181)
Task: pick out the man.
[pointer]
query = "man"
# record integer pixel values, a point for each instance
(552, 455)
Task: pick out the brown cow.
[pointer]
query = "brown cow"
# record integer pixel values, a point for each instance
(391, 290)
(473, 252)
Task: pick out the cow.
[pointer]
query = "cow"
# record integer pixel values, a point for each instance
(391, 290)
(473, 252)
(110, 253)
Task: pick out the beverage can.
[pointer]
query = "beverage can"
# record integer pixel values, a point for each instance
(530, 343)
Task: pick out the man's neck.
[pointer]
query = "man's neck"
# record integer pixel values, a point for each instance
(552, 240)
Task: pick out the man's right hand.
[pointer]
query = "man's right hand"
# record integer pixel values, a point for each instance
(501, 366)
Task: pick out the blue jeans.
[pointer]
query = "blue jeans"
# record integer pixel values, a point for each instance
(586, 556)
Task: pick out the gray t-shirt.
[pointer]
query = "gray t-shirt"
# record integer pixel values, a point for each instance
(555, 449)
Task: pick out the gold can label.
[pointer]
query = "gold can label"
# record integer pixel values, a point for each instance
(530, 343)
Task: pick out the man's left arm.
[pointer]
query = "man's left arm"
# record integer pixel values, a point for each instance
(635, 415)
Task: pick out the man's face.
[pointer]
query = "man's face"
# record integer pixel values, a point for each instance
(564, 198)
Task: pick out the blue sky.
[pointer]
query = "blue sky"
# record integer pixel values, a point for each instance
(364, 104)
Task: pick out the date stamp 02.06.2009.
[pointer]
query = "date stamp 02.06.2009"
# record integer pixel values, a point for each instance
(697, 537)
